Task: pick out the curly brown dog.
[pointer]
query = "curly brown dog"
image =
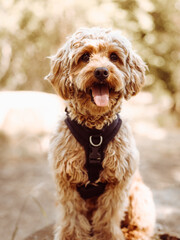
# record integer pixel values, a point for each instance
(100, 193)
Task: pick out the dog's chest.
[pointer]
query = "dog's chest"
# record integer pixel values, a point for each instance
(94, 142)
(71, 157)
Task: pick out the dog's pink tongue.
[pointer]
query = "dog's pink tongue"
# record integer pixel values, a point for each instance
(100, 95)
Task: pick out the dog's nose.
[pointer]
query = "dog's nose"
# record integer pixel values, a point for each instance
(101, 73)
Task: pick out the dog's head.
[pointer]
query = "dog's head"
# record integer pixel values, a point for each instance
(95, 69)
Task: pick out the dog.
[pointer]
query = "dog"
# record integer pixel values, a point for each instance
(100, 193)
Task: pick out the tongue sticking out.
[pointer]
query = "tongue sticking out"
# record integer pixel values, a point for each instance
(100, 95)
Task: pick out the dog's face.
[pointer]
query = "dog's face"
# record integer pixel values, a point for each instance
(95, 69)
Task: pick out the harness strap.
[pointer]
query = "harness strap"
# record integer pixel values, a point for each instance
(94, 142)
(90, 190)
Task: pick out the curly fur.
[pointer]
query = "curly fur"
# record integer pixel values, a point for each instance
(125, 210)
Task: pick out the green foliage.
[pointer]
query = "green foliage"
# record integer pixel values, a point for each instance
(32, 30)
(154, 25)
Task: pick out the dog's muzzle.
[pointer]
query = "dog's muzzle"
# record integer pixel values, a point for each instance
(101, 73)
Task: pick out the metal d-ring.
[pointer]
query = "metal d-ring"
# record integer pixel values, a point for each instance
(93, 144)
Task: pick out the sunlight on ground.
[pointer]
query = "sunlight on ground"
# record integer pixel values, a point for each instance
(35, 112)
(176, 175)
(26, 111)
(149, 130)
(142, 112)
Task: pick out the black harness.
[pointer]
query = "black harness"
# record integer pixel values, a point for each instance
(94, 142)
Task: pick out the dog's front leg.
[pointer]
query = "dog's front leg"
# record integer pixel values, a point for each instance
(107, 218)
(72, 223)
(140, 216)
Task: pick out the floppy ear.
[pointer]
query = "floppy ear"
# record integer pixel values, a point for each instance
(59, 74)
(136, 71)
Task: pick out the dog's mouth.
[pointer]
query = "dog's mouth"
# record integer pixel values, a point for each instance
(100, 94)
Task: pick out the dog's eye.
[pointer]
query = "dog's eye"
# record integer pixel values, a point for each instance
(114, 57)
(85, 57)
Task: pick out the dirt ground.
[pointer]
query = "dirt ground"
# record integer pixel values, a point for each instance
(27, 201)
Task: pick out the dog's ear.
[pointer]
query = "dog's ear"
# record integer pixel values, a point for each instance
(136, 75)
(59, 74)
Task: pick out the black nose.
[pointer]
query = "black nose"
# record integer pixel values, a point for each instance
(101, 73)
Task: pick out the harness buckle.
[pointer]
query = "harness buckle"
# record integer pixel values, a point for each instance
(96, 144)
(95, 150)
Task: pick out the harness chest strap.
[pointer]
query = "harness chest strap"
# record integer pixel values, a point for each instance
(94, 142)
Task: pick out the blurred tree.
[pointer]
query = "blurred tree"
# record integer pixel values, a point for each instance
(30, 31)
(154, 25)
(27, 36)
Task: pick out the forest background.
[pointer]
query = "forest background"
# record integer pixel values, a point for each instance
(32, 30)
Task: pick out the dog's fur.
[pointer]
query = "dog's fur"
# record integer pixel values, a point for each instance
(125, 210)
